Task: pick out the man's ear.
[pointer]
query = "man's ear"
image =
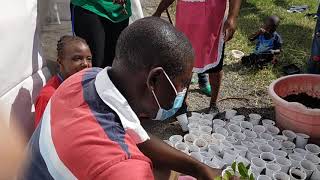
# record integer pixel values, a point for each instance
(154, 77)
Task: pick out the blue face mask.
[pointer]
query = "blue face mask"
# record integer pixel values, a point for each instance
(164, 114)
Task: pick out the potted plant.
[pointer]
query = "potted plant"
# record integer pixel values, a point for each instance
(236, 169)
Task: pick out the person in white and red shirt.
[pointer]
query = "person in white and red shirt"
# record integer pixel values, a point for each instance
(91, 126)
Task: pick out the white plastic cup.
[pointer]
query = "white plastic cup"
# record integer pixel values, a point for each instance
(175, 139)
(218, 123)
(238, 118)
(216, 137)
(211, 164)
(197, 115)
(201, 143)
(272, 130)
(206, 156)
(259, 142)
(242, 159)
(313, 158)
(252, 153)
(284, 163)
(265, 148)
(218, 161)
(300, 152)
(268, 122)
(196, 133)
(205, 129)
(302, 140)
(221, 130)
(239, 137)
(257, 165)
(316, 173)
(281, 176)
(279, 153)
(266, 136)
(250, 135)
(169, 143)
(205, 122)
(231, 140)
(288, 146)
(193, 126)
(197, 156)
(230, 113)
(183, 147)
(258, 129)
(242, 150)
(194, 120)
(229, 156)
(189, 138)
(313, 149)
(245, 125)
(280, 138)
(308, 167)
(297, 173)
(193, 148)
(289, 134)
(255, 118)
(264, 177)
(226, 145)
(275, 145)
(208, 138)
(208, 117)
(248, 144)
(272, 168)
(233, 128)
(215, 149)
(295, 160)
(268, 157)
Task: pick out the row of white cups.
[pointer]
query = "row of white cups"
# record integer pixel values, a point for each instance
(255, 142)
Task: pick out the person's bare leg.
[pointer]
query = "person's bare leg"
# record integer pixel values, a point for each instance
(215, 82)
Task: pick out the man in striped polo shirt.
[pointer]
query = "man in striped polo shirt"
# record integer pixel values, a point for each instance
(91, 126)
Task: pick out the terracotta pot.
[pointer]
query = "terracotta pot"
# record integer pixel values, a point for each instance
(292, 115)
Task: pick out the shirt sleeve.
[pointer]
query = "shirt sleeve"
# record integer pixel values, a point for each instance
(132, 169)
(278, 42)
(40, 106)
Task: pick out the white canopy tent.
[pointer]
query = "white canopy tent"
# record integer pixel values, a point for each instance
(23, 71)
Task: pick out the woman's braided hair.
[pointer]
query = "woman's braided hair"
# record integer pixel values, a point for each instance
(65, 40)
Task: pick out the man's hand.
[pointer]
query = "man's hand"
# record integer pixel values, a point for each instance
(229, 29)
(119, 2)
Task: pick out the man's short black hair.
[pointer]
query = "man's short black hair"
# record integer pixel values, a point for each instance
(152, 42)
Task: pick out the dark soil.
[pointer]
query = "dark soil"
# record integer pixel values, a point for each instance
(303, 98)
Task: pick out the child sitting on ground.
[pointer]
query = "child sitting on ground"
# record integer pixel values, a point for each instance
(268, 45)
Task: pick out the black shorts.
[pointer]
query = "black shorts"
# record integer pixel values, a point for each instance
(218, 68)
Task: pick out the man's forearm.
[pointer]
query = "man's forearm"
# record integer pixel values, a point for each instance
(162, 155)
(164, 4)
(234, 8)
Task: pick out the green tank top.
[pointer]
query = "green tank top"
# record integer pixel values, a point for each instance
(106, 8)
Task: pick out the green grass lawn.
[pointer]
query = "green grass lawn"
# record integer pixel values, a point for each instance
(295, 29)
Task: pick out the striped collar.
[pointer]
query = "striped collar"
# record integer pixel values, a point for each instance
(60, 77)
(115, 100)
